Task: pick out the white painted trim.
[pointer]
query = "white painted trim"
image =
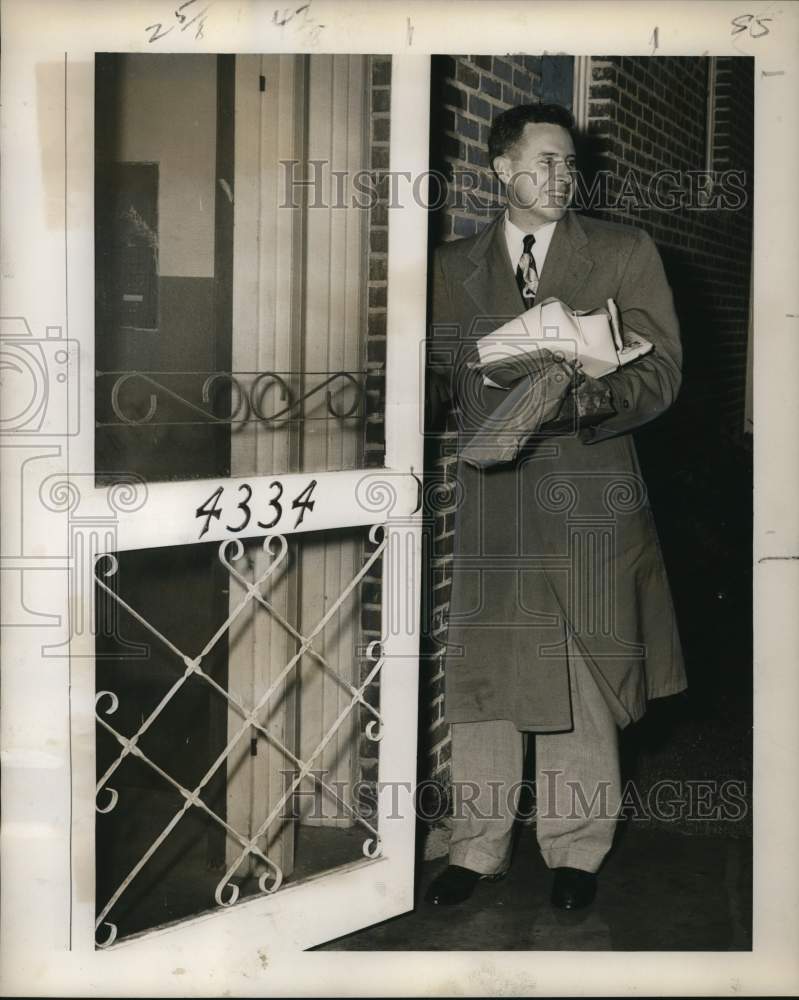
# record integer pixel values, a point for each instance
(407, 265)
(168, 516)
(233, 946)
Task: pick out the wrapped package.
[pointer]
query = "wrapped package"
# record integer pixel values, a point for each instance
(593, 338)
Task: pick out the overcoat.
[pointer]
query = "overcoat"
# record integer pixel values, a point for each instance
(558, 548)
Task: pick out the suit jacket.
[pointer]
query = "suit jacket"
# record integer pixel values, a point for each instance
(561, 542)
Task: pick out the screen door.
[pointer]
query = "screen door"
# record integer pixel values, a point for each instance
(238, 500)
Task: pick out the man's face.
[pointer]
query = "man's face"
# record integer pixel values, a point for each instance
(538, 172)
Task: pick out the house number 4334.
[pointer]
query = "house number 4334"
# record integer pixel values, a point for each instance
(241, 506)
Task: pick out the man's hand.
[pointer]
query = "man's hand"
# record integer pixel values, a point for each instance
(589, 403)
(551, 390)
(593, 399)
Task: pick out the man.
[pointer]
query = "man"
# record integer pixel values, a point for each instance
(561, 620)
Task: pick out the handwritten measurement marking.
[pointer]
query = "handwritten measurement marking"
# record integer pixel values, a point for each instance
(184, 22)
(283, 18)
(304, 24)
(653, 38)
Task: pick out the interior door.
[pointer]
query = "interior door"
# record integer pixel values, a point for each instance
(301, 289)
(224, 691)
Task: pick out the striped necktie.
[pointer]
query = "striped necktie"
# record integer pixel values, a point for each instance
(526, 273)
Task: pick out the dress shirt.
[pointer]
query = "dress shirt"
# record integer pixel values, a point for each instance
(514, 238)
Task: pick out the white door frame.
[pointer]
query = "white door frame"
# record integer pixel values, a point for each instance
(55, 518)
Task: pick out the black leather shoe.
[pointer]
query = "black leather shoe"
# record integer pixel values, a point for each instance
(455, 885)
(572, 889)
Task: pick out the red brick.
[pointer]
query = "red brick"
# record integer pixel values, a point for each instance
(381, 99)
(381, 70)
(467, 75)
(381, 129)
(454, 96)
(502, 68)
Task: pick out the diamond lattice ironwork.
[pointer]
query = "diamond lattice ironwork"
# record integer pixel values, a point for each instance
(107, 702)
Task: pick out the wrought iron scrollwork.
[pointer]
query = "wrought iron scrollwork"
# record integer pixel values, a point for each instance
(249, 391)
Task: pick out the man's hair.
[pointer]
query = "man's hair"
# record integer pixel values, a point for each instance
(507, 128)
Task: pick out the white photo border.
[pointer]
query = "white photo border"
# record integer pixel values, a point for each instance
(37, 33)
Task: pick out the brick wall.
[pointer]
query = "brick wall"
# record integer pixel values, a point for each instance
(374, 428)
(650, 114)
(377, 289)
(467, 92)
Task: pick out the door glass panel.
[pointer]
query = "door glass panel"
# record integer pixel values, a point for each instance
(238, 721)
(240, 263)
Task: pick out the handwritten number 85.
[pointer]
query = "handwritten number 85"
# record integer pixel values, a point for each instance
(745, 21)
(212, 507)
